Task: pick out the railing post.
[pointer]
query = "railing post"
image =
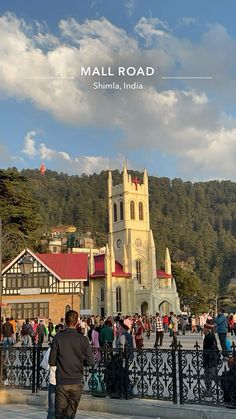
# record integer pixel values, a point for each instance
(1, 367)
(37, 367)
(33, 369)
(126, 372)
(174, 374)
(181, 398)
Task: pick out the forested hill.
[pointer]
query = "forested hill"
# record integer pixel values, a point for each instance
(192, 219)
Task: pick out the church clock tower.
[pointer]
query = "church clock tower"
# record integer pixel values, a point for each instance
(130, 236)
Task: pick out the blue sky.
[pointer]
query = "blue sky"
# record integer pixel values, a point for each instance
(175, 128)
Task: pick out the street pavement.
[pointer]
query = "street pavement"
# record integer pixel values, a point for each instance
(10, 411)
(187, 341)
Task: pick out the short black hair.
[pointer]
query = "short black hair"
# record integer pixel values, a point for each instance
(71, 318)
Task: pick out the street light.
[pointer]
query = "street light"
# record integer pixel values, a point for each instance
(25, 265)
(12, 242)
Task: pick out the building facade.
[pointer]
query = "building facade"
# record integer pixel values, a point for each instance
(125, 279)
(53, 286)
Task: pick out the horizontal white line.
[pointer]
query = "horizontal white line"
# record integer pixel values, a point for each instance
(47, 77)
(187, 77)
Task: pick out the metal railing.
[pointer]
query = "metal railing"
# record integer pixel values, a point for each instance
(174, 374)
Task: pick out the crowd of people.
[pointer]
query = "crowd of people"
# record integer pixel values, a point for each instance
(81, 335)
(108, 330)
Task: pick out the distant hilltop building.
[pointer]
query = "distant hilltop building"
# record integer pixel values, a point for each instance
(67, 239)
(188, 263)
(125, 279)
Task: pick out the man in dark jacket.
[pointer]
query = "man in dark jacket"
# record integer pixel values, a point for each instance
(211, 357)
(40, 331)
(7, 332)
(69, 351)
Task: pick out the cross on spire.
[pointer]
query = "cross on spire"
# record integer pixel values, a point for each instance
(136, 181)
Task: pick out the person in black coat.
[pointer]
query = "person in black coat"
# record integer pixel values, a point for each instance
(211, 357)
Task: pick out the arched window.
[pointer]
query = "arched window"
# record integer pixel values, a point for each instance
(132, 210)
(121, 210)
(138, 271)
(102, 294)
(115, 212)
(118, 299)
(140, 210)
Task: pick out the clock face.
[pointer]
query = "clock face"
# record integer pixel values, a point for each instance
(138, 242)
(118, 243)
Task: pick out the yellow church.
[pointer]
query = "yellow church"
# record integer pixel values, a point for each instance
(125, 278)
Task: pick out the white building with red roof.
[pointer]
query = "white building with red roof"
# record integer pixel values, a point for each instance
(53, 286)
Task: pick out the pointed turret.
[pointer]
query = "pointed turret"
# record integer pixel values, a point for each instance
(152, 243)
(167, 262)
(107, 251)
(110, 184)
(125, 175)
(91, 262)
(125, 260)
(107, 259)
(145, 177)
(112, 259)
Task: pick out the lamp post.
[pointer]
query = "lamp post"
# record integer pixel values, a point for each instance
(12, 242)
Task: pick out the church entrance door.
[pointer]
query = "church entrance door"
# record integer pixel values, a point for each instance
(144, 308)
(164, 308)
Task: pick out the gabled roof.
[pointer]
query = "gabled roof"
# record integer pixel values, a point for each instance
(163, 274)
(66, 265)
(99, 268)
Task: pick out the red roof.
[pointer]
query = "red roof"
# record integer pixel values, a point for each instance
(99, 268)
(66, 265)
(119, 270)
(163, 274)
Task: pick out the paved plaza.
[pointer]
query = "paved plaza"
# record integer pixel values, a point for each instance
(11, 411)
(187, 341)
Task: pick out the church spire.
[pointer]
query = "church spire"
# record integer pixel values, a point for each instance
(110, 183)
(125, 174)
(125, 260)
(167, 262)
(91, 262)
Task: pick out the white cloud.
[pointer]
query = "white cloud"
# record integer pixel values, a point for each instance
(61, 160)
(29, 144)
(130, 6)
(151, 28)
(187, 20)
(188, 121)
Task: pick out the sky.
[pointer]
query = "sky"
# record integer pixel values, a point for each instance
(181, 124)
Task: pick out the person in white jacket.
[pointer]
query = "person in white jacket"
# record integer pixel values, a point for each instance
(52, 379)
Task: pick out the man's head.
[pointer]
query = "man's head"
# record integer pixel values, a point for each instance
(71, 318)
(157, 314)
(7, 319)
(221, 311)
